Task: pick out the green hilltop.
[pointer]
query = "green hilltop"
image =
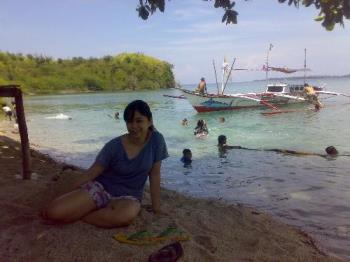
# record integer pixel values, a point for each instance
(39, 74)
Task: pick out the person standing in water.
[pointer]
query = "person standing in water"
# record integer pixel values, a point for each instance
(311, 96)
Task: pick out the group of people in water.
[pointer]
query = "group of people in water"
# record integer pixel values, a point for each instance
(201, 131)
(331, 151)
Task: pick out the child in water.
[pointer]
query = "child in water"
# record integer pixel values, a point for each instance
(222, 119)
(222, 146)
(185, 122)
(201, 128)
(222, 140)
(331, 151)
(186, 157)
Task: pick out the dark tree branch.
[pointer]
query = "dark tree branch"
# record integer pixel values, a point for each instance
(332, 12)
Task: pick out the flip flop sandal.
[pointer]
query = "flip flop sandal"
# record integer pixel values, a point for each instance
(169, 253)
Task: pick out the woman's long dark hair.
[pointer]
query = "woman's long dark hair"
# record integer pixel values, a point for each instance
(140, 106)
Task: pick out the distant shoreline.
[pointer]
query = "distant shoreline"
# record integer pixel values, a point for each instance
(308, 77)
(284, 78)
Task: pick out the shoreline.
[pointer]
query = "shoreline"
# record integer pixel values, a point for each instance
(242, 234)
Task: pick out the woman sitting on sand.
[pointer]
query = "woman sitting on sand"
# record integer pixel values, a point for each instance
(109, 193)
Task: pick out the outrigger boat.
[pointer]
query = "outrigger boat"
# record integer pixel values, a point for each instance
(275, 95)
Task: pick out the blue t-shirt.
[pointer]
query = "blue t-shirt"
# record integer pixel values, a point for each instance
(127, 177)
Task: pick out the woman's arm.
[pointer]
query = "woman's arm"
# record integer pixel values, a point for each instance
(154, 181)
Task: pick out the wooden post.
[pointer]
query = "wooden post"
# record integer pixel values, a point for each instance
(23, 132)
(13, 91)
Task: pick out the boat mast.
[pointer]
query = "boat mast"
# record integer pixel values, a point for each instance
(228, 76)
(216, 77)
(224, 65)
(267, 64)
(304, 66)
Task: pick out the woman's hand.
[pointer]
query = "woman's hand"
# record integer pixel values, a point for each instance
(94, 171)
(150, 209)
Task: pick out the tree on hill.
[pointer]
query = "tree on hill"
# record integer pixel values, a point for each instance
(332, 12)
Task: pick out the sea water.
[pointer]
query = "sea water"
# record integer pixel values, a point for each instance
(311, 192)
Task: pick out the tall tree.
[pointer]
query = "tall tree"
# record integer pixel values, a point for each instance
(332, 12)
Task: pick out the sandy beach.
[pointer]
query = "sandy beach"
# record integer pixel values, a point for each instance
(218, 231)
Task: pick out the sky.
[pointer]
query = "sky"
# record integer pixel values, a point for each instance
(189, 35)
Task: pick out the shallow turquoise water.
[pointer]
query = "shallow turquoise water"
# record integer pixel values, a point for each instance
(311, 192)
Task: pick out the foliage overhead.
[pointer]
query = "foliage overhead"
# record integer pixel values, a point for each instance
(332, 12)
(127, 71)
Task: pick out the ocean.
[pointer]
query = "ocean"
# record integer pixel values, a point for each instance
(310, 192)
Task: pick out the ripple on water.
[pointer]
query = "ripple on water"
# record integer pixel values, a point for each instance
(313, 188)
(300, 196)
(300, 213)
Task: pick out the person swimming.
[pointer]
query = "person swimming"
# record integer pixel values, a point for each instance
(222, 119)
(201, 128)
(184, 122)
(331, 151)
(186, 157)
(222, 144)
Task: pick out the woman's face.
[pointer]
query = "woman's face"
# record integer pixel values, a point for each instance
(139, 126)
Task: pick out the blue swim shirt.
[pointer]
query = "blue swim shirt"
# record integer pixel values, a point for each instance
(127, 177)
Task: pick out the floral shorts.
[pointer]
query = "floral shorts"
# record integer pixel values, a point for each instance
(100, 196)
